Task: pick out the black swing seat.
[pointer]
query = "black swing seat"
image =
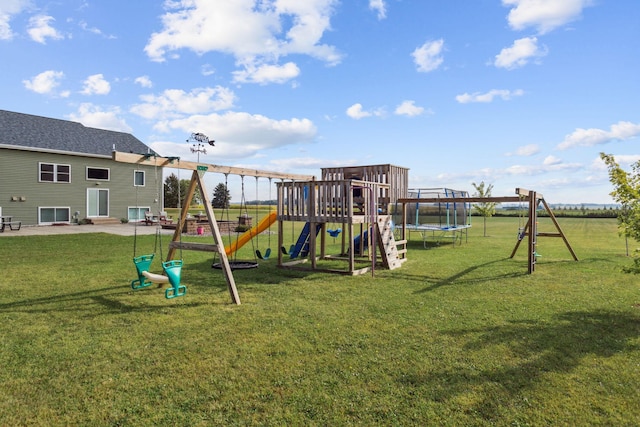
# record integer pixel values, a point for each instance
(264, 256)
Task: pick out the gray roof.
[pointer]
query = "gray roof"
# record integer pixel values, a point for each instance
(43, 133)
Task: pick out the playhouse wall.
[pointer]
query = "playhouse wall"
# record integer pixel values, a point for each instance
(396, 176)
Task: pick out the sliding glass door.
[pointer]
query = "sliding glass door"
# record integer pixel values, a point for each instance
(97, 202)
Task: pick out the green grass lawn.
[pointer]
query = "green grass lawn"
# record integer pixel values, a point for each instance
(458, 336)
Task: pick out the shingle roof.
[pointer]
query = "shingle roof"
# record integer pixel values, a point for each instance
(25, 130)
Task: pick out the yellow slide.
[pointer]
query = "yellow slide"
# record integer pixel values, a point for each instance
(253, 231)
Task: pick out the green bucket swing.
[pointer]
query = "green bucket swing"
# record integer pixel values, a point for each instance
(173, 270)
(142, 263)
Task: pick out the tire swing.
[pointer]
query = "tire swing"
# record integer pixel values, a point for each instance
(234, 263)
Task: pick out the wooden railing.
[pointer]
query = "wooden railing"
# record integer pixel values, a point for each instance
(344, 201)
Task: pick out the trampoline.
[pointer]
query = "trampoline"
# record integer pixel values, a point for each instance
(439, 220)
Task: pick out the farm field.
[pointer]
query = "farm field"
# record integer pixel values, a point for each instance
(459, 335)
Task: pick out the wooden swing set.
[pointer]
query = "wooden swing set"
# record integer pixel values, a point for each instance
(197, 182)
(530, 230)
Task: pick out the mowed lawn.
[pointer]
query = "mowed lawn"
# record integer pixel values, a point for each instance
(458, 336)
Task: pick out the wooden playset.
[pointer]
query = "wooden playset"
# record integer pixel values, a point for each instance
(357, 199)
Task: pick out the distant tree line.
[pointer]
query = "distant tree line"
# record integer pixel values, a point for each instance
(561, 212)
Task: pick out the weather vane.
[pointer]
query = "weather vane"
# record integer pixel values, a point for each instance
(199, 142)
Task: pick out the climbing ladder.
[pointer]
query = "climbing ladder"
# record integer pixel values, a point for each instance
(387, 244)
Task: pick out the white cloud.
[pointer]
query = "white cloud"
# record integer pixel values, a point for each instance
(144, 81)
(265, 74)
(239, 134)
(257, 35)
(504, 94)
(551, 160)
(94, 116)
(545, 15)
(526, 150)
(44, 83)
(380, 7)
(539, 169)
(94, 30)
(39, 29)
(311, 163)
(519, 54)
(408, 108)
(428, 57)
(96, 85)
(549, 165)
(357, 112)
(620, 131)
(173, 103)
(9, 8)
(207, 70)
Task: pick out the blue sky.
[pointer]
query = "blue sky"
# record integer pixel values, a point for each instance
(516, 93)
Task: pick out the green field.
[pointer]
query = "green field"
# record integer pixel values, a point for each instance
(458, 336)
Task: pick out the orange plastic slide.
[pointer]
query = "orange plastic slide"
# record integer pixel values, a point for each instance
(253, 231)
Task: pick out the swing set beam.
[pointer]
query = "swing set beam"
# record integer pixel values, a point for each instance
(170, 162)
(530, 230)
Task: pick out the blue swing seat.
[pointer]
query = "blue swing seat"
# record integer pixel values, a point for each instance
(266, 254)
(334, 233)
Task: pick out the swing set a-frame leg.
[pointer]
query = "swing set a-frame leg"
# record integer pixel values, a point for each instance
(531, 231)
(198, 182)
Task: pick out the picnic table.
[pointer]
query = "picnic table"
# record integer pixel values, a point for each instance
(8, 220)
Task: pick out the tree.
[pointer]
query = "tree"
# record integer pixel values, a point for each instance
(196, 199)
(171, 191)
(221, 196)
(627, 193)
(175, 190)
(486, 209)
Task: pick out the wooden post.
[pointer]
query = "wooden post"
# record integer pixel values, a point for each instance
(349, 207)
(533, 231)
(280, 211)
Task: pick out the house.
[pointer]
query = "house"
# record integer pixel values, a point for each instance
(60, 172)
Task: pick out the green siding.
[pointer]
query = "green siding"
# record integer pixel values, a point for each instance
(19, 178)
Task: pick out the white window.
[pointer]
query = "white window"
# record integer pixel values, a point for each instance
(137, 213)
(98, 174)
(138, 179)
(52, 172)
(53, 215)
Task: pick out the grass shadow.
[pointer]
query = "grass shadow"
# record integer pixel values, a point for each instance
(539, 347)
(108, 297)
(455, 278)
